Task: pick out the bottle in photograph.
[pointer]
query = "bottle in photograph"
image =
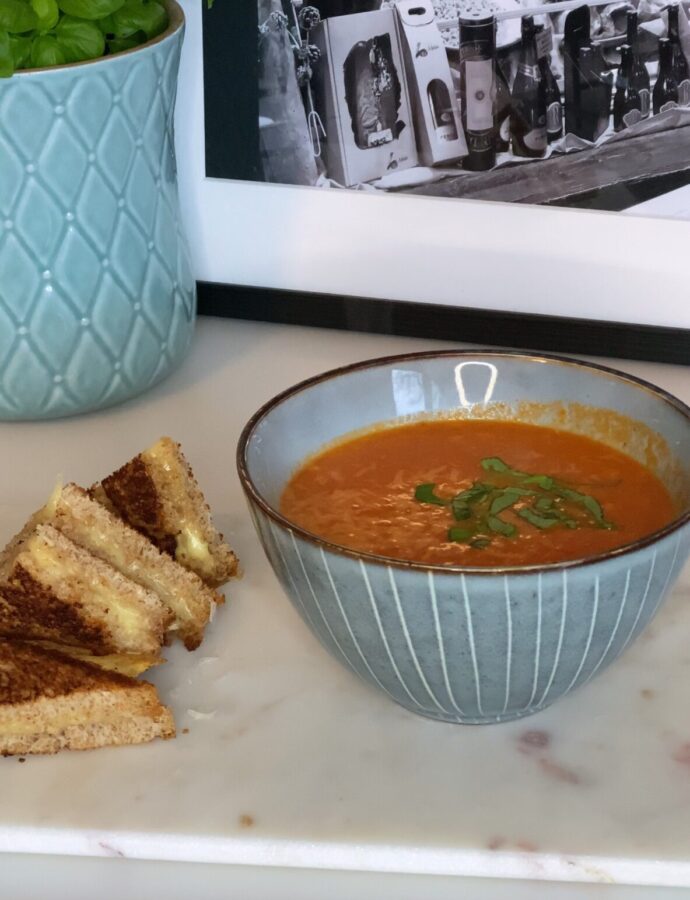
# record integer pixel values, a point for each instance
(681, 71)
(501, 112)
(441, 111)
(477, 52)
(594, 94)
(665, 94)
(627, 106)
(528, 114)
(640, 76)
(576, 35)
(554, 109)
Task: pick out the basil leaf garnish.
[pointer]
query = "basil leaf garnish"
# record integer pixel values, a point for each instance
(424, 493)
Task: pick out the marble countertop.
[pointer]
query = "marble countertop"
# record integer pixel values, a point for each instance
(290, 761)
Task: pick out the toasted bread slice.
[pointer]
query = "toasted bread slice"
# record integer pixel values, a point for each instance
(49, 702)
(53, 590)
(90, 525)
(157, 494)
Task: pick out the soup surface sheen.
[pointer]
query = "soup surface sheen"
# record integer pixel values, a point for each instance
(365, 494)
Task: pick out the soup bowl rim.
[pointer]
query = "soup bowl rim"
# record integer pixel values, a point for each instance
(276, 516)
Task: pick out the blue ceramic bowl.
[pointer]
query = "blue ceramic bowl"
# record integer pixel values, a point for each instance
(470, 645)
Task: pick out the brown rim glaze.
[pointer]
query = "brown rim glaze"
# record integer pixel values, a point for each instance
(254, 495)
(175, 23)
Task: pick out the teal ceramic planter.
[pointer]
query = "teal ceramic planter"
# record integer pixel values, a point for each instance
(97, 299)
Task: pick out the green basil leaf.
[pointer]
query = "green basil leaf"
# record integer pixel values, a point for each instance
(494, 464)
(118, 45)
(480, 543)
(542, 481)
(107, 25)
(424, 493)
(505, 499)
(590, 504)
(7, 63)
(139, 15)
(544, 504)
(474, 493)
(500, 527)
(90, 9)
(535, 519)
(47, 12)
(16, 16)
(20, 45)
(460, 510)
(46, 51)
(459, 535)
(79, 39)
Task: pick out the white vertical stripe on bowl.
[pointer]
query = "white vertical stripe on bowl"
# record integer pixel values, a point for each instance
(537, 649)
(642, 604)
(408, 639)
(473, 651)
(298, 596)
(614, 632)
(316, 602)
(668, 578)
(509, 648)
(349, 627)
(377, 617)
(595, 610)
(557, 658)
(439, 639)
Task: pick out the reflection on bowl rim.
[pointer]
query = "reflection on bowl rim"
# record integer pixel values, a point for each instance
(378, 362)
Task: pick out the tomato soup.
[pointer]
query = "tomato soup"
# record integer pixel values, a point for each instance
(476, 493)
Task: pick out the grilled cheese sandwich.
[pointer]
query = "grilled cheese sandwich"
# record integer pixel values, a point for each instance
(49, 702)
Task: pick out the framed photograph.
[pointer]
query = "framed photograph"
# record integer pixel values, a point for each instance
(485, 170)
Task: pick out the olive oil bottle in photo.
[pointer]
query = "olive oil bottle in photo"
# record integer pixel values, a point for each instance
(477, 61)
(627, 105)
(502, 105)
(640, 76)
(554, 108)
(665, 94)
(528, 114)
(681, 71)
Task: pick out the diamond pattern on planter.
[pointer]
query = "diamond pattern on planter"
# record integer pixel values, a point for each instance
(65, 159)
(20, 278)
(39, 221)
(97, 298)
(11, 172)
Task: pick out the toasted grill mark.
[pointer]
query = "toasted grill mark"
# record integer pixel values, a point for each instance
(27, 673)
(134, 496)
(28, 608)
(133, 493)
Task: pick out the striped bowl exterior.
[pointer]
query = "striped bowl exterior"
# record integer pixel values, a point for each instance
(470, 648)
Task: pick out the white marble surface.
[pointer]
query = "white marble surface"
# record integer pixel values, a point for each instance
(289, 761)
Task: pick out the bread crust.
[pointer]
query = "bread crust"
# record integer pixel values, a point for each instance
(50, 702)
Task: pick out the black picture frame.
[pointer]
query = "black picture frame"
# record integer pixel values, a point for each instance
(522, 331)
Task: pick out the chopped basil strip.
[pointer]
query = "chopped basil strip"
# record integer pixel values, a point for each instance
(535, 519)
(425, 494)
(540, 500)
(460, 534)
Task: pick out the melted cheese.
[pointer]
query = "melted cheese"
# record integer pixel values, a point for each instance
(191, 545)
(51, 567)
